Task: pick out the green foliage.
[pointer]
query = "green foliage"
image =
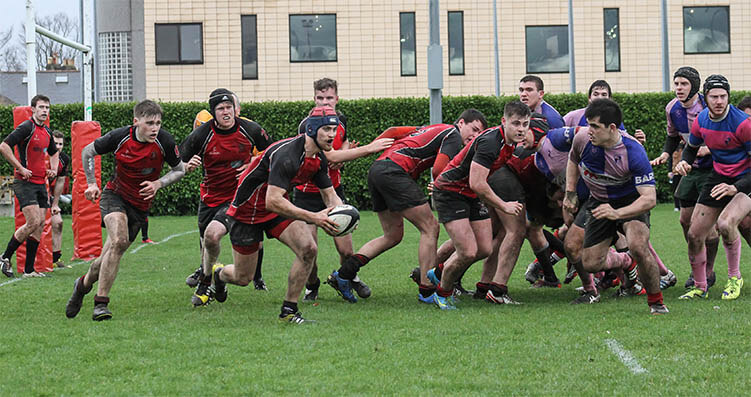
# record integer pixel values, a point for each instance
(366, 119)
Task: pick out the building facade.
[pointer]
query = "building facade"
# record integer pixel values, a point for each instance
(180, 50)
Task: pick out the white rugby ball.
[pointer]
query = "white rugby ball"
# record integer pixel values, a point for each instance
(346, 217)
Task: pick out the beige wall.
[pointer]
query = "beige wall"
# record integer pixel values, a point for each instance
(368, 47)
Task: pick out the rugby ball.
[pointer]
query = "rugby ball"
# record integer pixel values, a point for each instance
(346, 217)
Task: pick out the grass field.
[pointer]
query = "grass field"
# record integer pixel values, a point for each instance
(158, 344)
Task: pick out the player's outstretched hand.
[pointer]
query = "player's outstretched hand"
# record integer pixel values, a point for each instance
(570, 202)
(241, 169)
(640, 136)
(92, 192)
(380, 144)
(194, 163)
(336, 166)
(148, 189)
(723, 190)
(511, 207)
(683, 168)
(662, 159)
(321, 219)
(51, 174)
(605, 211)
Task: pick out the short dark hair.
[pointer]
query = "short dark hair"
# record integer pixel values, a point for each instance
(472, 115)
(600, 83)
(38, 98)
(516, 108)
(324, 84)
(58, 134)
(147, 108)
(745, 103)
(606, 110)
(535, 79)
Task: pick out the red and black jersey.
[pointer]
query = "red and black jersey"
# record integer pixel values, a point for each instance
(34, 141)
(417, 152)
(339, 139)
(522, 163)
(136, 162)
(222, 152)
(283, 165)
(63, 170)
(488, 149)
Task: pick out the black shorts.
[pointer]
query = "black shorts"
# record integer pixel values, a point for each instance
(313, 202)
(713, 180)
(452, 206)
(245, 234)
(392, 188)
(112, 202)
(506, 185)
(30, 194)
(207, 214)
(599, 230)
(690, 186)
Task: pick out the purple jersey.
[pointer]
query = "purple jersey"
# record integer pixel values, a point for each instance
(612, 173)
(575, 118)
(554, 118)
(729, 140)
(680, 120)
(552, 157)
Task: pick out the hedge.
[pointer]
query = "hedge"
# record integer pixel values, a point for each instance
(366, 119)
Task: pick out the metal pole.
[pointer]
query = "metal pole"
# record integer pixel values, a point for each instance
(435, 65)
(665, 48)
(88, 70)
(31, 49)
(54, 36)
(571, 62)
(495, 44)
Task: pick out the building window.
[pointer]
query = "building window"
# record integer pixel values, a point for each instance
(547, 49)
(612, 40)
(407, 43)
(178, 43)
(456, 42)
(312, 38)
(706, 30)
(250, 46)
(115, 67)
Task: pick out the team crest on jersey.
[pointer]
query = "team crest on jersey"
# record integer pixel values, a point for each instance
(236, 164)
(147, 171)
(152, 155)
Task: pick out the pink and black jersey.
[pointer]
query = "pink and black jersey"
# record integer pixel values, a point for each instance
(488, 149)
(554, 118)
(729, 140)
(612, 173)
(283, 165)
(334, 174)
(680, 119)
(221, 153)
(136, 162)
(34, 141)
(417, 152)
(575, 118)
(552, 158)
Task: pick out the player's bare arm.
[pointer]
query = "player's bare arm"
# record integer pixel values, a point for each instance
(646, 201)
(478, 182)
(338, 156)
(571, 200)
(7, 152)
(54, 164)
(276, 202)
(149, 188)
(89, 169)
(56, 192)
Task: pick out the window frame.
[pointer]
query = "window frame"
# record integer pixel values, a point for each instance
(526, 54)
(605, 40)
(336, 39)
(414, 36)
(179, 44)
(683, 29)
(242, 39)
(448, 22)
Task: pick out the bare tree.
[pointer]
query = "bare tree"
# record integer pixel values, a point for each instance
(47, 48)
(11, 58)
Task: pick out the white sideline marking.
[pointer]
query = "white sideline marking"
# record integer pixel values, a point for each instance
(625, 356)
(168, 238)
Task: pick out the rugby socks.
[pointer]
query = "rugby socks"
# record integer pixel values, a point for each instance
(663, 268)
(498, 289)
(617, 260)
(698, 266)
(13, 245)
(439, 271)
(352, 265)
(426, 290)
(712, 247)
(733, 253)
(101, 300)
(258, 274)
(556, 245)
(56, 256)
(31, 254)
(654, 298)
(481, 289)
(444, 293)
(587, 281)
(543, 258)
(288, 308)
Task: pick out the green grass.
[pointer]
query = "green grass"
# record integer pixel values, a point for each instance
(158, 344)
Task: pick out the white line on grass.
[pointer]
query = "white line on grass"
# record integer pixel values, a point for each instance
(625, 356)
(168, 238)
(20, 278)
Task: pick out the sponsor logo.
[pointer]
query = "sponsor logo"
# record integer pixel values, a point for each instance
(644, 178)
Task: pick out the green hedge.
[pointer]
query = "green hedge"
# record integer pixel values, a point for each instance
(366, 119)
